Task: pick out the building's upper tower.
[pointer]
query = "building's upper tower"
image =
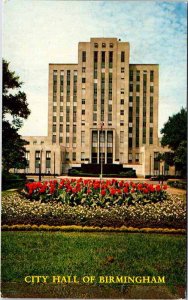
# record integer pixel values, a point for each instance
(103, 88)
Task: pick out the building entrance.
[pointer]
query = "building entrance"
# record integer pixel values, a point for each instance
(102, 146)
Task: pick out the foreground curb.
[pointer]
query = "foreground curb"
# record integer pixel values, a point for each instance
(74, 228)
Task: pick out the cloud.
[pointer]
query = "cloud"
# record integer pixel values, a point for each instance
(36, 33)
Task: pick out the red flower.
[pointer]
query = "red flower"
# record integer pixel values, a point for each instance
(52, 189)
(145, 191)
(103, 192)
(125, 190)
(158, 188)
(151, 188)
(112, 191)
(165, 187)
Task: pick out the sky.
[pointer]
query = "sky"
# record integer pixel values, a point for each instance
(39, 32)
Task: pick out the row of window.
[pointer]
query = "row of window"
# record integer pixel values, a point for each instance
(130, 141)
(137, 75)
(103, 54)
(111, 45)
(131, 87)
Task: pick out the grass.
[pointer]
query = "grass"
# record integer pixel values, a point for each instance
(98, 254)
(79, 254)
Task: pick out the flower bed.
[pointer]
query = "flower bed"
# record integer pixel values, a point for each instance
(170, 213)
(95, 193)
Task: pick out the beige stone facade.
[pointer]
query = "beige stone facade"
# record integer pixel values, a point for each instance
(103, 91)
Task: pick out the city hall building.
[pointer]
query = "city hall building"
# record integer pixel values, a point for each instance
(102, 108)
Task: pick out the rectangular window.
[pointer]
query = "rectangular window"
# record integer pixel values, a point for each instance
(60, 128)
(54, 128)
(83, 111)
(61, 118)
(131, 75)
(130, 142)
(137, 157)
(37, 161)
(110, 117)
(83, 70)
(122, 70)
(67, 139)
(83, 80)
(122, 101)
(122, 112)
(121, 136)
(110, 107)
(110, 59)
(130, 87)
(61, 108)
(94, 117)
(54, 139)
(82, 137)
(138, 88)
(74, 156)
(67, 128)
(151, 136)
(54, 118)
(144, 135)
(103, 59)
(83, 56)
(130, 114)
(82, 155)
(67, 117)
(48, 159)
(95, 57)
(74, 128)
(54, 108)
(122, 56)
(83, 101)
(156, 161)
(130, 98)
(61, 139)
(151, 76)
(151, 89)
(137, 75)
(130, 157)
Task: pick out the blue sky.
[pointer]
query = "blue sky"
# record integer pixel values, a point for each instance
(36, 33)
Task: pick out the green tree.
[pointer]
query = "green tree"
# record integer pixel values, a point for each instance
(175, 137)
(14, 110)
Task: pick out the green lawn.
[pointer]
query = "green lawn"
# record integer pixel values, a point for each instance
(97, 254)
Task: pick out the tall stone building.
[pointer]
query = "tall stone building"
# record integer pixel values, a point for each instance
(101, 108)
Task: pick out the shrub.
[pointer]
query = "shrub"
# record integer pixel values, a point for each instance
(129, 174)
(179, 184)
(74, 172)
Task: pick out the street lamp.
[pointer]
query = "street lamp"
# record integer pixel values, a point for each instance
(54, 164)
(100, 149)
(102, 124)
(40, 165)
(150, 164)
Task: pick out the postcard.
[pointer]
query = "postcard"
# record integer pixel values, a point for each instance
(94, 146)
